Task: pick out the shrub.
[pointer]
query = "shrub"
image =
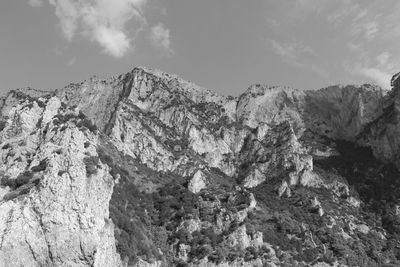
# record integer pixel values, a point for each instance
(41, 167)
(81, 114)
(201, 252)
(39, 123)
(21, 180)
(104, 157)
(59, 118)
(6, 146)
(2, 125)
(46, 129)
(91, 165)
(250, 254)
(219, 255)
(89, 124)
(40, 103)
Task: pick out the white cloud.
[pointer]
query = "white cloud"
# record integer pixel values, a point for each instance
(101, 21)
(343, 12)
(371, 29)
(380, 77)
(35, 3)
(71, 61)
(163, 11)
(160, 37)
(318, 70)
(383, 58)
(283, 49)
(291, 50)
(298, 55)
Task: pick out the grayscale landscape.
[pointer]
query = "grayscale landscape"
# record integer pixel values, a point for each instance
(145, 168)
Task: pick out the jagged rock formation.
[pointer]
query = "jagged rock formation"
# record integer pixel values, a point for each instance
(382, 133)
(146, 169)
(54, 209)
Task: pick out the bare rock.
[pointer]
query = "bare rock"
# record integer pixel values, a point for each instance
(198, 182)
(59, 216)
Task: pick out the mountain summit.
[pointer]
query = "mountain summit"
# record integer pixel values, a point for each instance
(147, 169)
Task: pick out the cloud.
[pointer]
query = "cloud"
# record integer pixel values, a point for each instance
(71, 61)
(291, 50)
(298, 55)
(361, 35)
(160, 37)
(383, 58)
(378, 69)
(35, 3)
(371, 29)
(163, 11)
(283, 50)
(380, 77)
(101, 21)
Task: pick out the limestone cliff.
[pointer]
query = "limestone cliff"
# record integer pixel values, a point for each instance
(146, 169)
(54, 206)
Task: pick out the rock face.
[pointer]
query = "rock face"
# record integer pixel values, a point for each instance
(146, 169)
(382, 134)
(278, 155)
(197, 182)
(54, 213)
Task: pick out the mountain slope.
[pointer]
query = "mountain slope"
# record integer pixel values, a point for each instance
(274, 177)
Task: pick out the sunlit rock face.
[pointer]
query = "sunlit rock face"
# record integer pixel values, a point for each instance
(279, 154)
(54, 213)
(147, 169)
(382, 134)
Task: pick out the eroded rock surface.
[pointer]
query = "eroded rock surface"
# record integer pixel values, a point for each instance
(146, 169)
(54, 212)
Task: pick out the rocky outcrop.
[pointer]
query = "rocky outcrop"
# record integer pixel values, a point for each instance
(382, 133)
(278, 155)
(54, 206)
(275, 176)
(342, 112)
(198, 182)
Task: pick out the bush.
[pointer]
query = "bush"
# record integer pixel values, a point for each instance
(41, 167)
(2, 125)
(201, 252)
(39, 123)
(250, 254)
(219, 255)
(88, 124)
(91, 165)
(40, 103)
(21, 180)
(6, 146)
(104, 157)
(59, 118)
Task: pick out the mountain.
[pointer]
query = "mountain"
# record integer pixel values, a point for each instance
(147, 169)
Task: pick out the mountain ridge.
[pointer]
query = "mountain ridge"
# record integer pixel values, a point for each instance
(274, 177)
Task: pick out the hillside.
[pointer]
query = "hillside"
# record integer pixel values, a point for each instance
(147, 169)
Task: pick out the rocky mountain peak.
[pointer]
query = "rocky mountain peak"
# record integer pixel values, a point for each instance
(147, 169)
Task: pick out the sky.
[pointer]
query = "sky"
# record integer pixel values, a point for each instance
(223, 45)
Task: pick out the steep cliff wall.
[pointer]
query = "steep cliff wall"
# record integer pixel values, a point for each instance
(156, 171)
(55, 204)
